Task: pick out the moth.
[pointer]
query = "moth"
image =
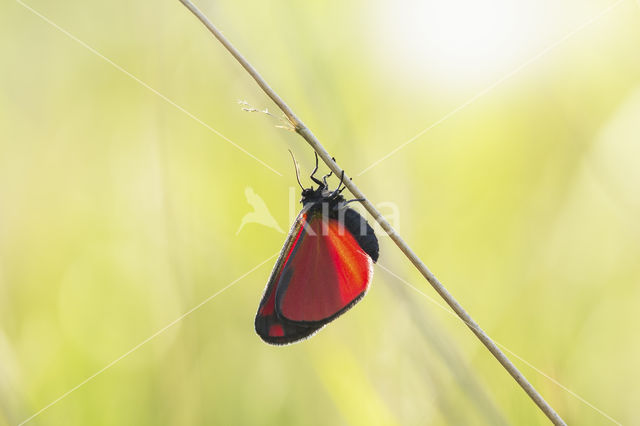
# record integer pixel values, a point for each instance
(325, 266)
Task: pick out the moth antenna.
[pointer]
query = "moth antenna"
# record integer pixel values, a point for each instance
(295, 163)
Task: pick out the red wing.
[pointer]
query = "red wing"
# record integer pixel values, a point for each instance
(275, 331)
(325, 273)
(268, 325)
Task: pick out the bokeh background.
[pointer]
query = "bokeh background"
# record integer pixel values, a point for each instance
(119, 212)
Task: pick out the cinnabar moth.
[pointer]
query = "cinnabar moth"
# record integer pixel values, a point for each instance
(324, 268)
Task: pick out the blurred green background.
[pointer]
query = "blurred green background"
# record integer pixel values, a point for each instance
(119, 212)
